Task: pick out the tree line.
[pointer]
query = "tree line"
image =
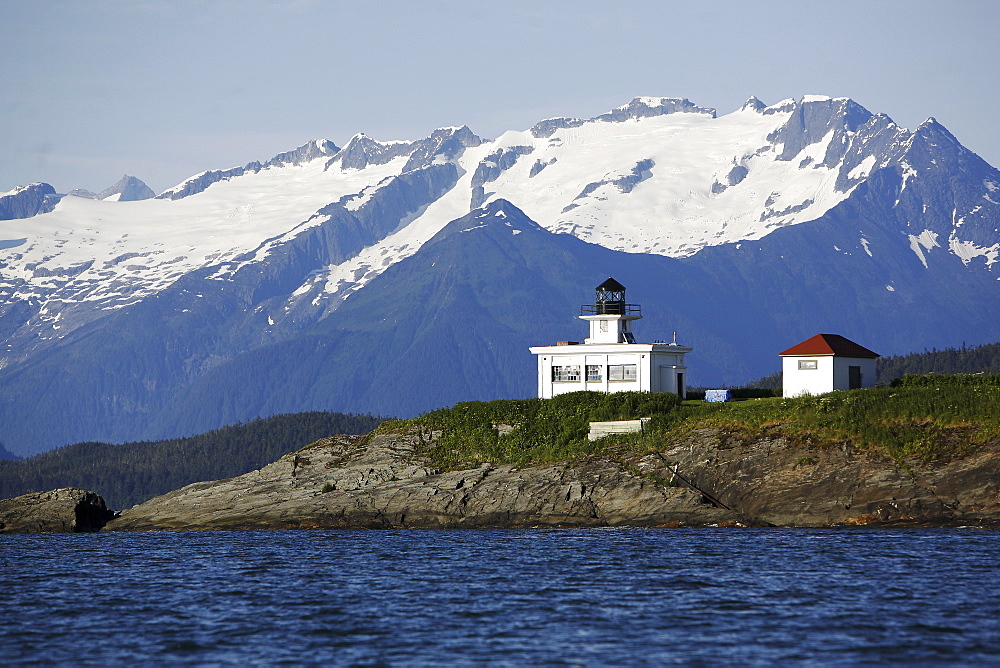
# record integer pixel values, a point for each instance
(131, 473)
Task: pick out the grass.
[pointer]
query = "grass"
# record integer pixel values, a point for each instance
(918, 419)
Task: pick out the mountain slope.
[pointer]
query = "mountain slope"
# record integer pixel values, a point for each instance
(321, 277)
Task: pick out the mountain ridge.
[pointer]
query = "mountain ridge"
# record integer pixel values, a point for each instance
(772, 223)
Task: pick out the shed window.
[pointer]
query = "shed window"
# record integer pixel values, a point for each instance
(561, 374)
(808, 365)
(621, 372)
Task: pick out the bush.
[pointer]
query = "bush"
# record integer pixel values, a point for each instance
(522, 431)
(948, 380)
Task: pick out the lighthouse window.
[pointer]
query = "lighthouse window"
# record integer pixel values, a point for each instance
(566, 373)
(593, 373)
(621, 372)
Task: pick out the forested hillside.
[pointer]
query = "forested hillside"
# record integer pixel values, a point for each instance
(977, 359)
(134, 472)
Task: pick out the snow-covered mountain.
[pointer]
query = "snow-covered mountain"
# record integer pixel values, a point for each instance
(127, 189)
(797, 216)
(27, 201)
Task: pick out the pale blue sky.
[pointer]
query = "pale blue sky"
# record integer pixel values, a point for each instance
(165, 89)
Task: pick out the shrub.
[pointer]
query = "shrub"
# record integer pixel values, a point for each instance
(948, 380)
(522, 431)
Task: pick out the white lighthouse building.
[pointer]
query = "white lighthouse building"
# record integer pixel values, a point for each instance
(610, 360)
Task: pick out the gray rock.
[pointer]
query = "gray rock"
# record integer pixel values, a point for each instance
(66, 510)
(381, 482)
(780, 482)
(638, 108)
(196, 184)
(308, 151)
(708, 477)
(200, 182)
(445, 143)
(625, 184)
(491, 167)
(549, 126)
(128, 189)
(648, 107)
(27, 201)
(539, 166)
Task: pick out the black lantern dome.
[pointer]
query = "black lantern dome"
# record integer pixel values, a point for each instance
(610, 300)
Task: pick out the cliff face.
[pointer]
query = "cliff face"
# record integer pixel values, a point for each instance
(381, 482)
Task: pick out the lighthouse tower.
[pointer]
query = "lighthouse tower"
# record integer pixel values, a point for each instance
(610, 316)
(610, 360)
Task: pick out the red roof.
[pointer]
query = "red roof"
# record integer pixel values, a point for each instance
(829, 344)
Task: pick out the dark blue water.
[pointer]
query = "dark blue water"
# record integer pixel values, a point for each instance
(589, 597)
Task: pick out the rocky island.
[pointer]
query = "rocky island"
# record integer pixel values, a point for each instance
(857, 458)
(382, 482)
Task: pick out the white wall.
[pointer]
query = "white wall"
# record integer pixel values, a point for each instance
(647, 364)
(841, 379)
(831, 374)
(796, 382)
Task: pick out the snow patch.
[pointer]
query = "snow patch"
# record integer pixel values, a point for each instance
(863, 169)
(967, 251)
(925, 240)
(864, 244)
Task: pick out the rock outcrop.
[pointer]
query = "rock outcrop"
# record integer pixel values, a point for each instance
(709, 477)
(780, 482)
(27, 201)
(379, 482)
(66, 510)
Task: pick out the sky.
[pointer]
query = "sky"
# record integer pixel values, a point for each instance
(163, 90)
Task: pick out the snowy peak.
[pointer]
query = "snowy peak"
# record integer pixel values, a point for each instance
(813, 119)
(27, 201)
(639, 107)
(443, 144)
(648, 107)
(128, 189)
(317, 148)
(753, 104)
(496, 215)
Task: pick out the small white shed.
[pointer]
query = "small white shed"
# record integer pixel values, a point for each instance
(825, 363)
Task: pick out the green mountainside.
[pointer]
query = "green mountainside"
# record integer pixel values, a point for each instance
(131, 473)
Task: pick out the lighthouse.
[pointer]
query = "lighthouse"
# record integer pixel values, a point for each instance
(610, 360)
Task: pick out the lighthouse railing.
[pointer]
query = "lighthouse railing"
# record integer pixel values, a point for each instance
(611, 308)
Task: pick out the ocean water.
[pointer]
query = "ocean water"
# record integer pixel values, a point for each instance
(542, 597)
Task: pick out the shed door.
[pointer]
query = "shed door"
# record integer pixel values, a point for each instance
(853, 377)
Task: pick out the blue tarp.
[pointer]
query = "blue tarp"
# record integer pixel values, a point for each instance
(718, 395)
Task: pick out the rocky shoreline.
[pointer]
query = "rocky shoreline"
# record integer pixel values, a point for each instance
(65, 510)
(708, 478)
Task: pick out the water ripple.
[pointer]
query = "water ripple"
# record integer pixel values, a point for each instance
(549, 597)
